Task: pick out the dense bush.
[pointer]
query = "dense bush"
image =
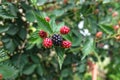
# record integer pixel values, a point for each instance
(92, 35)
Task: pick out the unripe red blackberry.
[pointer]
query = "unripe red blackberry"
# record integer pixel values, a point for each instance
(66, 44)
(47, 43)
(1, 77)
(99, 34)
(57, 39)
(47, 19)
(42, 34)
(114, 14)
(64, 30)
(116, 27)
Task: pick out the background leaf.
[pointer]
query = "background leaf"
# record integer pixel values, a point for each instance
(107, 28)
(88, 47)
(8, 72)
(29, 70)
(3, 28)
(43, 24)
(60, 56)
(3, 55)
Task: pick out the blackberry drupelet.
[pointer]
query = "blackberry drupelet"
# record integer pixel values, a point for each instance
(57, 39)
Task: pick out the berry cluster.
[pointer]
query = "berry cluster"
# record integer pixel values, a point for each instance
(55, 39)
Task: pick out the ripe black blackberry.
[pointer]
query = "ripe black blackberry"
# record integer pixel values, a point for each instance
(57, 39)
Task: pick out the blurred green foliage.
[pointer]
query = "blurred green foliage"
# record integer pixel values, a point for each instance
(22, 56)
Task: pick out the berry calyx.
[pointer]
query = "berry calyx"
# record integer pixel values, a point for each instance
(57, 39)
(99, 34)
(42, 34)
(47, 19)
(66, 44)
(47, 43)
(64, 30)
(116, 27)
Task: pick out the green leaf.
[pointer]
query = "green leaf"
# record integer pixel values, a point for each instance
(34, 1)
(58, 12)
(35, 58)
(5, 39)
(5, 15)
(82, 1)
(29, 70)
(59, 26)
(30, 16)
(22, 33)
(53, 24)
(12, 30)
(41, 2)
(107, 1)
(40, 70)
(26, 6)
(3, 55)
(8, 72)
(60, 55)
(88, 48)
(81, 68)
(43, 24)
(34, 36)
(107, 28)
(67, 37)
(77, 42)
(10, 45)
(35, 39)
(3, 29)
(66, 72)
(13, 9)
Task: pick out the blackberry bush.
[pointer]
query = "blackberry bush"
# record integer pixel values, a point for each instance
(37, 44)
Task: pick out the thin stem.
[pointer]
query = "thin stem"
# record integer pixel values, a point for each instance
(98, 57)
(110, 37)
